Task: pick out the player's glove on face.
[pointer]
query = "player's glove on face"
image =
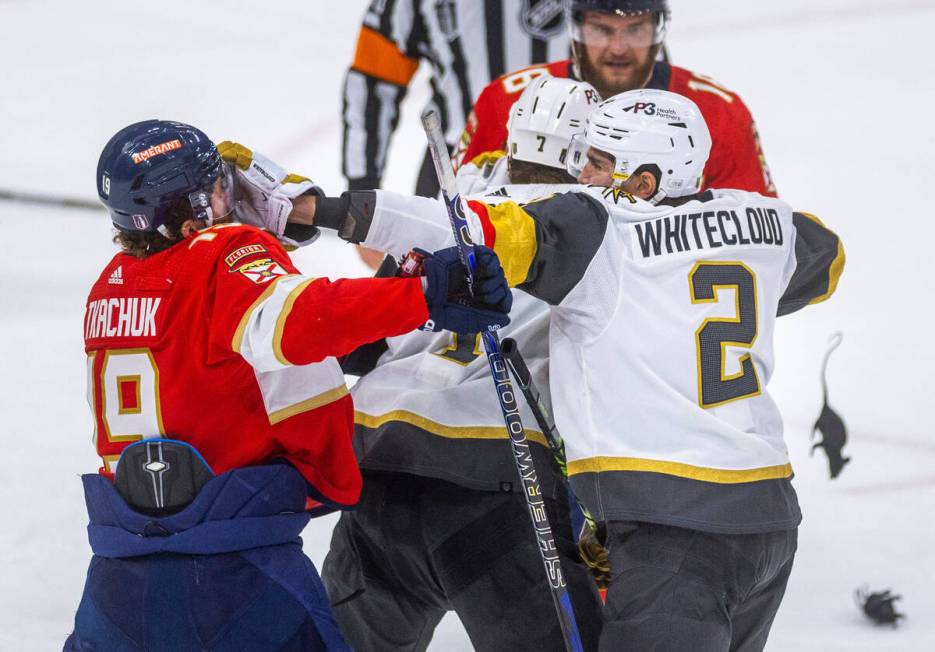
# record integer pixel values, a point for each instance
(265, 193)
(451, 306)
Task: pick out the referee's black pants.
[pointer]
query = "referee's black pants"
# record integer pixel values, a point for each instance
(417, 547)
(679, 590)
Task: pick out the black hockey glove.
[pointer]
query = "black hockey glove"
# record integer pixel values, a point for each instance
(451, 306)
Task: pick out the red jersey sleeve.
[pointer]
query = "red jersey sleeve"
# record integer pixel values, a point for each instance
(275, 317)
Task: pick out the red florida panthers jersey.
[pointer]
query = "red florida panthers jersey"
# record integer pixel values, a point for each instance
(736, 160)
(220, 342)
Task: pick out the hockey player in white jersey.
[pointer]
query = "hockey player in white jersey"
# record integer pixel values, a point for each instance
(664, 301)
(542, 122)
(441, 524)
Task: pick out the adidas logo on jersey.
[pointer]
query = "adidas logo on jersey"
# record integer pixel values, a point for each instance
(116, 278)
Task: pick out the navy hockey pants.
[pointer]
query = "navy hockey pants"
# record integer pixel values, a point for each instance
(226, 573)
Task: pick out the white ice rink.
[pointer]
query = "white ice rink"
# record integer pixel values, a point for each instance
(844, 95)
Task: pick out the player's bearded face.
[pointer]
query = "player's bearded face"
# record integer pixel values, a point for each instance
(616, 53)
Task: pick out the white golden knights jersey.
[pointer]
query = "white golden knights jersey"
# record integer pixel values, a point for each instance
(467, 43)
(660, 340)
(428, 406)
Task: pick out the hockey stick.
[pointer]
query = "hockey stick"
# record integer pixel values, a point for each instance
(520, 372)
(507, 397)
(50, 200)
(591, 550)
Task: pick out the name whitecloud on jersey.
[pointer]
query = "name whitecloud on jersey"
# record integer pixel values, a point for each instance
(708, 230)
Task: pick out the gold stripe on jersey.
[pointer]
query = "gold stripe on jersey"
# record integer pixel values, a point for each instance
(309, 404)
(281, 321)
(836, 267)
(237, 340)
(515, 243)
(700, 473)
(484, 158)
(450, 432)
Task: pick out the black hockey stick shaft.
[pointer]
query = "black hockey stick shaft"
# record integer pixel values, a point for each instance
(522, 456)
(543, 416)
(50, 200)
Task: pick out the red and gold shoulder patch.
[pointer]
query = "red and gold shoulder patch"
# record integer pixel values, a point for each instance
(262, 271)
(255, 263)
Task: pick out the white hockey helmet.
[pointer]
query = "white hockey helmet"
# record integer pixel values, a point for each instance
(545, 117)
(648, 127)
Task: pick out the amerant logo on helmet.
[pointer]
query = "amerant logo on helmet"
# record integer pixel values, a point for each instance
(155, 150)
(140, 221)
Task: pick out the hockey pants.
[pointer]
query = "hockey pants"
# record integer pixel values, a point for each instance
(674, 589)
(417, 547)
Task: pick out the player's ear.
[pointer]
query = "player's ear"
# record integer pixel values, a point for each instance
(643, 185)
(189, 228)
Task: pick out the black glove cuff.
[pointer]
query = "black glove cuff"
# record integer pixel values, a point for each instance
(350, 214)
(330, 212)
(300, 233)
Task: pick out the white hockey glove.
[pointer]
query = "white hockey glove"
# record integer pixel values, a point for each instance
(265, 192)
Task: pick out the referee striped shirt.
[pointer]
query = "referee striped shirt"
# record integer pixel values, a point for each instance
(467, 43)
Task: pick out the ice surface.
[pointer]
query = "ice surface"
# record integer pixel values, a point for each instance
(842, 91)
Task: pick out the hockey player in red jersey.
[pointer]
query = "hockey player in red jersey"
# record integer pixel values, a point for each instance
(614, 47)
(208, 347)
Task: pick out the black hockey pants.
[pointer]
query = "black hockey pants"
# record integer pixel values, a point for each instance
(418, 547)
(675, 590)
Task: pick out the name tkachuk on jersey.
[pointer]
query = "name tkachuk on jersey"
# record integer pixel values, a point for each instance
(121, 317)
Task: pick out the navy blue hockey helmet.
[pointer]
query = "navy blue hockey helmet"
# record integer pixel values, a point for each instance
(146, 167)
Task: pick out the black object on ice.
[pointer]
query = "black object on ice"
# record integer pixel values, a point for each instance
(829, 424)
(879, 606)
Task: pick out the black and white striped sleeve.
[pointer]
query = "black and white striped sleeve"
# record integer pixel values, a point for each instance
(387, 56)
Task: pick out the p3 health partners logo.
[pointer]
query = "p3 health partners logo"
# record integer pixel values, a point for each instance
(651, 109)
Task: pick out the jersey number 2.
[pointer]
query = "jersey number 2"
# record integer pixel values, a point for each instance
(715, 385)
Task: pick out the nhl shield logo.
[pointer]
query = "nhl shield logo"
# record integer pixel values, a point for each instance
(542, 19)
